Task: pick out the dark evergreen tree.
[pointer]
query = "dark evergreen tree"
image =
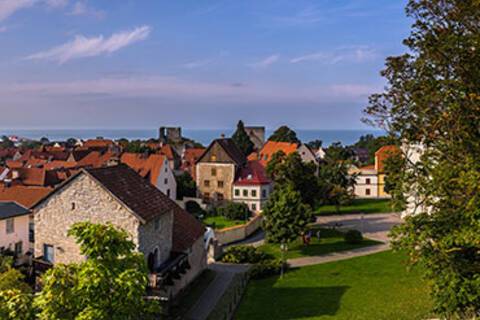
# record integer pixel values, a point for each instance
(284, 134)
(242, 140)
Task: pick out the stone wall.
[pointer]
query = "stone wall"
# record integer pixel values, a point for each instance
(238, 233)
(224, 172)
(85, 200)
(151, 239)
(198, 262)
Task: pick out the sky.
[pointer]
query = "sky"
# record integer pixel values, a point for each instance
(310, 64)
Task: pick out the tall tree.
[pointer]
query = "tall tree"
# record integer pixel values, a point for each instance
(335, 183)
(293, 171)
(284, 134)
(285, 215)
(242, 140)
(186, 186)
(432, 103)
(110, 284)
(337, 152)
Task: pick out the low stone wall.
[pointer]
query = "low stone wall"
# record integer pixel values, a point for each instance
(238, 233)
(228, 303)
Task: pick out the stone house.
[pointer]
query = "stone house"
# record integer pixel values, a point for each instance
(168, 237)
(217, 168)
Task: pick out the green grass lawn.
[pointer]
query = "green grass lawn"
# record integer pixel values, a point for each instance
(358, 206)
(220, 222)
(330, 241)
(371, 287)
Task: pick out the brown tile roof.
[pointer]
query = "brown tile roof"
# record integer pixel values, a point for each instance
(97, 143)
(57, 164)
(230, 148)
(12, 164)
(272, 147)
(78, 154)
(186, 230)
(133, 191)
(26, 196)
(95, 159)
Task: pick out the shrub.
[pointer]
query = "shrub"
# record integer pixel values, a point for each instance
(245, 254)
(232, 211)
(353, 236)
(266, 268)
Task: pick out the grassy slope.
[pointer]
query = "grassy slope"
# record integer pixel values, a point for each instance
(221, 222)
(371, 287)
(358, 206)
(330, 241)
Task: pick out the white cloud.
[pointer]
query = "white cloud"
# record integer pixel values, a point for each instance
(82, 47)
(9, 7)
(198, 63)
(356, 54)
(56, 3)
(81, 8)
(265, 62)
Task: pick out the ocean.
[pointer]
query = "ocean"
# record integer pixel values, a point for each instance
(204, 136)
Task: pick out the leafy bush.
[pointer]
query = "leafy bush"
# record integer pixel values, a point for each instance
(233, 211)
(266, 268)
(245, 254)
(194, 208)
(353, 237)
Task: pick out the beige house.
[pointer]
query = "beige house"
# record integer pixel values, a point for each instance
(168, 237)
(14, 228)
(366, 182)
(216, 170)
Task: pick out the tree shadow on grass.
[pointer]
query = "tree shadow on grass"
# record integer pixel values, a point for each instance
(284, 303)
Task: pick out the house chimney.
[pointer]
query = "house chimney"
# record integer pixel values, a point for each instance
(222, 136)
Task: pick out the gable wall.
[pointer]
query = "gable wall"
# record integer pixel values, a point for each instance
(55, 216)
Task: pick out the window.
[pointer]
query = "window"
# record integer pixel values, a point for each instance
(254, 193)
(367, 180)
(245, 192)
(206, 183)
(31, 232)
(157, 224)
(48, 254)
(214, 172)
(18, 248)
(213, 158)
(367, 192)
(237, 192)
(73, 206)
(220, 196)
(206, 195)
(165, 181)
(265, 157)
(264, 193)
(220, 184)
(254, 207)
(168, 193)
(10, 225)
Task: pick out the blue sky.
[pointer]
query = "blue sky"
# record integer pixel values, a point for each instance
(199, 64)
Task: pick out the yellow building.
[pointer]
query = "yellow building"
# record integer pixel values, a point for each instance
(381, 155)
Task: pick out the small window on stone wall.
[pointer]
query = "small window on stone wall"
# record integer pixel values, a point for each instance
(73, 205)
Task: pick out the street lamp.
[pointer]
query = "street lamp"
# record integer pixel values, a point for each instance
(283, 249)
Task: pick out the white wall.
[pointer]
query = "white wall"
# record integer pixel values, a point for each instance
(257, 201)
(20, 233)
(166, 181)
(362, 186)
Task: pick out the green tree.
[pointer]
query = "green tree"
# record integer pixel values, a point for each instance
(6, 143)
(292, 170)
(335, 183)
(110, 284)
(186, 186)
(337, 152)
(432, 100)
(16, 305)
(284, 134)
(242, 140)
(372, 144)
(315, 144)
(285, 215)
(396, 171)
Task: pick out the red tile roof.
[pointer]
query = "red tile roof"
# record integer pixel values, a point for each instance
(97, 143)
(168, 151)
(26, 196)
(253, 174)
(190, 157)
(95, 159)
(272, 147)
(148, 167)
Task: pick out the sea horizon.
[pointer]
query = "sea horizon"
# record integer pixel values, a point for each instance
(202, 135)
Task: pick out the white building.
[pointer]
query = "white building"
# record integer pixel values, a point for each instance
(252, 187)
(14, 228)
(366, 182)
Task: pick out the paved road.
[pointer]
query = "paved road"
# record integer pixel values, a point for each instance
(373, 226)
(207, 302)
